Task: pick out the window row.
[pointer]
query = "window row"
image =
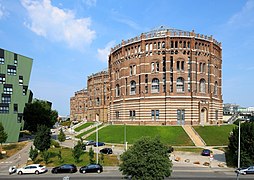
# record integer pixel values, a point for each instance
(155, 86)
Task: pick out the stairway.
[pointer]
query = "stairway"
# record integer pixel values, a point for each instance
(194, 136)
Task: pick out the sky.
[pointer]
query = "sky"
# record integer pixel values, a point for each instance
(69, 40)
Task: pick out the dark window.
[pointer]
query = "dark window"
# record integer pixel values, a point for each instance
(146, 78)
(2, 78)
(25, 90)
(6, 98)
(132, 114)
(8, 89)
(4, 108)
(21, 80)
(15, 108)
(11, 70)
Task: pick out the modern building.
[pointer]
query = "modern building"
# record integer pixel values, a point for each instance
(15, 73)
(166, 77)
(91, 104)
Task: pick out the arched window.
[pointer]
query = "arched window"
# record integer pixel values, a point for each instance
(117, 90)
(202, 88)
(163, 44)
(133, 88)
(155, 85)
(146, 47)
(151, 47)
(216, 88)
(180, 84)
(97, 101)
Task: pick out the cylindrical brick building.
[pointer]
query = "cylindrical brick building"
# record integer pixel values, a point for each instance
(166, 77)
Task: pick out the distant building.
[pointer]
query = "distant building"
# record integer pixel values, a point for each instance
(229, 109)
(91, 104)
(15, 73)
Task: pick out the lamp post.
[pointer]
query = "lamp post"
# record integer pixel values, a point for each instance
(125, 142)
(97, 156)
(239, 145)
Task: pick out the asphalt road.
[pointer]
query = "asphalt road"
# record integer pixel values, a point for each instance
(179, 172)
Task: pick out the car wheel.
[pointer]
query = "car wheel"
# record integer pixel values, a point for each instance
(84, 171)
(20, 173)
(37, 172)
(98, 171)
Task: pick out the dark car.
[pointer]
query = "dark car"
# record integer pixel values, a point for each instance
(206, 152)
(106, 151)
(91, 168)
(245, 170)
(99, 144)
(91, 142)
(65, 168)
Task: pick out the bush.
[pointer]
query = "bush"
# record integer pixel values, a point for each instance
(54, 143)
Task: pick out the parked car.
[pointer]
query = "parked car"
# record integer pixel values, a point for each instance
(91, 168)
(99, 144)
(206, 152)
(245, 170)
(90, 142)
(65, 168)
(32, 169)
(68, 137)
(106, 151)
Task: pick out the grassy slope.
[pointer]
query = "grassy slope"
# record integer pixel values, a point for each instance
(170, 135)
(83, 126)
(215, 135)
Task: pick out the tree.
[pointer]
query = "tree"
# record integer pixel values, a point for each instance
(61, 137)
(77, 151)
(42, 138)
(46, 155)
(3, 136)
(33, 153)
(91, 156)
(59, 155)
(37, 113)
(246, 146)
(146, 159)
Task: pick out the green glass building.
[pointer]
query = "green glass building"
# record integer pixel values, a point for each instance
(15, 73)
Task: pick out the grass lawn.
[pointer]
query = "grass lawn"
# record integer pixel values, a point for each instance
(169, 135)
(88, 131)
(109, 160)
(83, 126)
(12, 149)
(215, 135)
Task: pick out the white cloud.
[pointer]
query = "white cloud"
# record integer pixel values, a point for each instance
(2, 11)
(245, 17)
(124, 20)
(58, 24)
(90, 3)
(102, 54)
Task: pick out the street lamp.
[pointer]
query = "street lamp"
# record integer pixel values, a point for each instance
(97, 158)
(239, 144)
(125, 142)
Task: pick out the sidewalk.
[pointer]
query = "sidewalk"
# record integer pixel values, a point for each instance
(19, 159)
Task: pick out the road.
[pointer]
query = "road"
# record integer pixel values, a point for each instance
(179, 172)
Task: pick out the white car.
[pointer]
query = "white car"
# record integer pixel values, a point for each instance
(32, 169)
(68, 137)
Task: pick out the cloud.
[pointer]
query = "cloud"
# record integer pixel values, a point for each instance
(124, 20)
(2, 11)
(58, 25)
(245, 17)
(90, 3)
(102, 54)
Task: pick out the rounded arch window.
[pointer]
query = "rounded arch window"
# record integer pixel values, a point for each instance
(180, 84)
(133, 88)
(155, 85)
(202, 86)
(216, 88)
(117, 90)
